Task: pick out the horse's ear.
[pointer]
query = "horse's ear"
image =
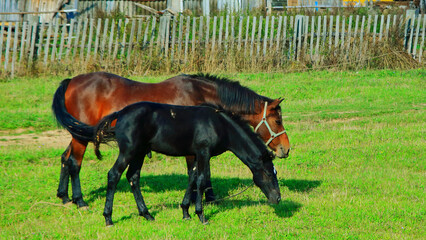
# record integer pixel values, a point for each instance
(276, 102)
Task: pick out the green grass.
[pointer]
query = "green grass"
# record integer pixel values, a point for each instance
(356, 169)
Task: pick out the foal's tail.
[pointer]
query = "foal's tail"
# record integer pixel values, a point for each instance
(104, 132)
(78, 129)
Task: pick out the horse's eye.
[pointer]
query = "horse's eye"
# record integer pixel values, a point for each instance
(278, 122)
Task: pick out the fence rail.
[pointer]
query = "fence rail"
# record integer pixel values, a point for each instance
(180, 38)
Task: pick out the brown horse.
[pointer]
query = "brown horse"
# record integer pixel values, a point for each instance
(81, 102)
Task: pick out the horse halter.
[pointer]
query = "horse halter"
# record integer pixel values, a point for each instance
(273, 134)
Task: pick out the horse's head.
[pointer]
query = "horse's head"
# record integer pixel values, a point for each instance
(266, 179)
(271, 129)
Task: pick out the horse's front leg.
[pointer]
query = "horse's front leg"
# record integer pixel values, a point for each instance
(133, 176)
(190, 163)
(114, 176)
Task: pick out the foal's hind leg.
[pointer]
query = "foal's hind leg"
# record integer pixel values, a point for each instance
(203, 166)
(209, 189)
(133, 176)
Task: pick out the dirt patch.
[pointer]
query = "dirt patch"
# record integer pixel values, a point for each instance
(54, 138)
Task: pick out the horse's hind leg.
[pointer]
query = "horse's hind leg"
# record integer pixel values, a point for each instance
(133, 176)
(190, 163)
(64, 177)
(74, 165)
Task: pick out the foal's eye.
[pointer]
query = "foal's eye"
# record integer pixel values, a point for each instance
(278, 122)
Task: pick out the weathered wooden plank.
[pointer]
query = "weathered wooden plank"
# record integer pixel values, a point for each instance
(226, 32)
(55, 39)
(151, 41)
(115, 52)
(375, 28)
(89, 40)
(265, 37)
(194, 34)
(200, 31)
(311, 43)
(318, 37)
(271, 38)
(361, 36)
(24, 38)
(207, 32)
(240, 31)
(305, 34)
(104, 39)
(132, 36)
(342, 44)
(139, 33)
(61, 44)
(355, 33)
(77, 37)
(280, 25)
(367, 32)
(40, 39)
(179, 49)
(330, 32)
(172, 50)
(124, 39)
(15, 48)
(252, 36)
(232, 37)
(419, 17)
(188, 20)
(348, 40)
(214, 33)
(83, 38)
(8, 39)
(219, 42)
(387, 27)
(337, 33)
(70, 34)
(382, 22)
(410, 40)
(247, 35)
(421, 47)
(299, 36)
(2, 27)
(111, 37)
(145, 35)
(259, 35)
(97, 38)
(47, 45)
(33, 37)
(284, 33)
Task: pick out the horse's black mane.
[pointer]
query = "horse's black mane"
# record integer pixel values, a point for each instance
(234, 97)
(266, 155)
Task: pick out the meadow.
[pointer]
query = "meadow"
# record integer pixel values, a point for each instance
(356, 170)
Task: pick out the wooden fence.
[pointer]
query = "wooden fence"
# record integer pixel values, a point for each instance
(179, 38)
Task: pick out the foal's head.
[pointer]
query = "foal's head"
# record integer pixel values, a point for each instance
(265, 177)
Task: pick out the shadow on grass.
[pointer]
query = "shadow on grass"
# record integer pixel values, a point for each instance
(223, 187)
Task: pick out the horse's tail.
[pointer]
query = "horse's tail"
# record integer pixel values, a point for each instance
(78, 129)
(104, 132)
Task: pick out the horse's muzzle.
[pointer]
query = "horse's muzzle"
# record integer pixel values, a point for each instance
(281, 152)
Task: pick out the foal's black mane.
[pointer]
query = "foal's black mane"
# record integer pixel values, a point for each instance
(266, 154)
(234, 97)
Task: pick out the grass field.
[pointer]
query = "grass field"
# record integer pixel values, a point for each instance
(357, 168)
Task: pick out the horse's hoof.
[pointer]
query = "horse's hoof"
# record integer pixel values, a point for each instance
(68, 203)
(186, 218)
(109, 223)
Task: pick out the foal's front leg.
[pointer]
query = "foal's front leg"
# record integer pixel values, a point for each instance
(202, 176)
(133, 176)
(186, 202)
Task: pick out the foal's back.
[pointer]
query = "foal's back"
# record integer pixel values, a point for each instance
(172, 130)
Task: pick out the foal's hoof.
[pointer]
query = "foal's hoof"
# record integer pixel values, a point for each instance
(203, 219)
(148, 217)
(108, 223)
(82, 205)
